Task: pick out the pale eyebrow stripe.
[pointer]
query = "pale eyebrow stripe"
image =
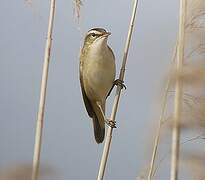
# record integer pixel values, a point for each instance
(94, 31)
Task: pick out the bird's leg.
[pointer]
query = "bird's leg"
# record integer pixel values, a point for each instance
(110, 123)
(117, 82)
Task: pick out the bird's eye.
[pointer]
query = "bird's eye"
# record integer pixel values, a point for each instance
(93, 35)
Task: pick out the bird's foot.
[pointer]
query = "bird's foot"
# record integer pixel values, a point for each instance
(111, 123)
(119, 82)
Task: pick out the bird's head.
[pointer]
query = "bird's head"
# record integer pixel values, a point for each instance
(95, 36)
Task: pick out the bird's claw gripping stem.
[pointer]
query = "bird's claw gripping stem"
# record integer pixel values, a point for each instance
(111, 123)
(119, 82)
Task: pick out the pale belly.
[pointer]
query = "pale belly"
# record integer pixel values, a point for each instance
(99, 76)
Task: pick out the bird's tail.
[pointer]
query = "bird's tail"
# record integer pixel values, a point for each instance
(99, 123)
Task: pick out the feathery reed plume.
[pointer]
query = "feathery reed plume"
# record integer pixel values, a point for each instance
(39, 125)
(77, 8)
(192, 117)
(193, 75)
(117, 96)
(178, 94)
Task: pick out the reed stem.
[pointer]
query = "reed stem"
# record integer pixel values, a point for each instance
(178, 94)
(40, 118)
(117, 96)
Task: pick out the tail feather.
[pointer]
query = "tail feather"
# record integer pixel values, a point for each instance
(99, 131)
(99, 123)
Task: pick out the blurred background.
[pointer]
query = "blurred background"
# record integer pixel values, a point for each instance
(69, 148)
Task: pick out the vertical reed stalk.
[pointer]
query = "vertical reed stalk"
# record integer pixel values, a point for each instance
(161, 120)
(39, 125)
(178, 94)
(117, 96)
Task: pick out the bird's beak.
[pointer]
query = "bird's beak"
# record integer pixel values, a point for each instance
(106, 34)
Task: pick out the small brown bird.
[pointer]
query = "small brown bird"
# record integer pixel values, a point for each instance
(97, 74)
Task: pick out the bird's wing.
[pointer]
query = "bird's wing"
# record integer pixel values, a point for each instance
(109, 92)
(87, 102)
(99, 130)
